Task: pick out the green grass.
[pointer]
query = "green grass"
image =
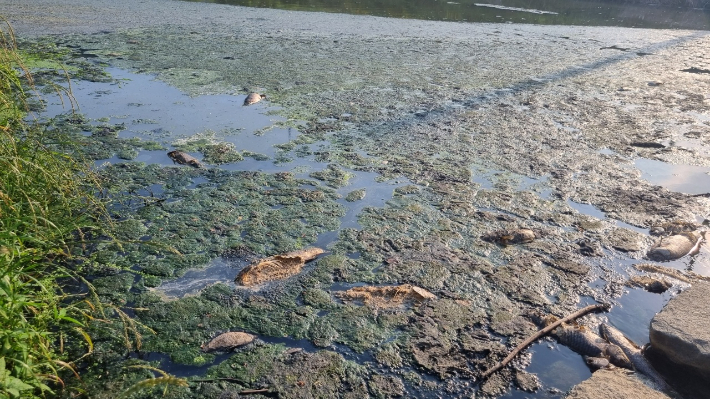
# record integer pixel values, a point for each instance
(47, 209)
(50, 217)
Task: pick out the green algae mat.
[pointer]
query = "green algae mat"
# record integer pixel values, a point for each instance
(413, 160)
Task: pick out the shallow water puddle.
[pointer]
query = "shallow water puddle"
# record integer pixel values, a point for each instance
(686, 179)
(591, 210)
(558, 368)
(194, 280)
(153, 109)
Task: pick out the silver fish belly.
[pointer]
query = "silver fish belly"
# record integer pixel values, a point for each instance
(633, 352)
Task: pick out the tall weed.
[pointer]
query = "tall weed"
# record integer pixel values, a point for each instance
(47, 208)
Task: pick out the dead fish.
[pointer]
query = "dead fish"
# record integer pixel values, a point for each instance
(253, 98)
(228, 341)
(676, 246)
(276, 267)
(635, 355)
(596, 363)
(583, 341)
(184, 159)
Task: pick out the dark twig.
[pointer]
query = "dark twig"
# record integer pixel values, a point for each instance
(542, 333)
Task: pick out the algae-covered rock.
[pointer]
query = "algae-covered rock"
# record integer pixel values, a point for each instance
(675, 246)
(276, 267)
(228, 341)
(355, 195)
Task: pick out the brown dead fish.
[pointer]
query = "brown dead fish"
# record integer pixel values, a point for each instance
(276, 267)
(676, 246)
(184, 159)
(228, 341)
(253, 98)
(390, 296)
(634, 353)
(583, 341)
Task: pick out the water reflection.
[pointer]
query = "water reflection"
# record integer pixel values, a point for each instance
(686, 179)
(546, 12)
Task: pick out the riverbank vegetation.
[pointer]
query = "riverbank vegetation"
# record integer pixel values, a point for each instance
(48, 209)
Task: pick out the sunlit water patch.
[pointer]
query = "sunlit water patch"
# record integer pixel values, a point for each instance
(591, 210)
(548, 12)
(681, 178)
(151, 109)
(195, 280)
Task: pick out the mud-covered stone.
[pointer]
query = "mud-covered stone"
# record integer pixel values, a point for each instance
(675, 246)
(606, 384)
(681, 331)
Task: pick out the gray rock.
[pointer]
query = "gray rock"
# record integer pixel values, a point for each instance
(681, 331)
(606, 384)
(675, 246)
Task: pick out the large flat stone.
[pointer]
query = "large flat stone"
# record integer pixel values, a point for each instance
(607, 384)
(681, 331)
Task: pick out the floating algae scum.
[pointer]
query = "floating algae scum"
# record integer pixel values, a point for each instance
(396, 146)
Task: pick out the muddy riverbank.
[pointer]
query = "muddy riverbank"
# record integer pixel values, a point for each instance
(457, 133)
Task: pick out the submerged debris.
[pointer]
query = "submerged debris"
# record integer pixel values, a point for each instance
(228, 341)
(276, 267)
(253, 98)
(685, 277)
(387, 296)
(184, 158)
(511, 236)
(650, 284)
(583, 341)
(675, 246)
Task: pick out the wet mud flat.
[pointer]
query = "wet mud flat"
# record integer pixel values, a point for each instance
(465, 132)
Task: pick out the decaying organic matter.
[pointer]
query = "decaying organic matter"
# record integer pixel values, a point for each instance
(386, 296)
(228, 341)
(635, 355)
(511, 236)
(184, 158)
(675, 246)
(253, 98)
(276, 267)
(650, 284)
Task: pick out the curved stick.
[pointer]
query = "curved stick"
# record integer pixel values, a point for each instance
(542, 333)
